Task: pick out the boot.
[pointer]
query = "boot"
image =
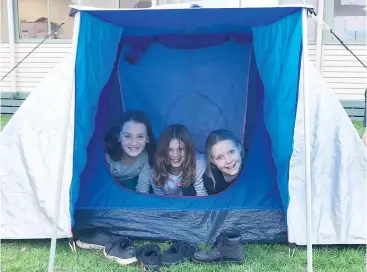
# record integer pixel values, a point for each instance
(227, 248)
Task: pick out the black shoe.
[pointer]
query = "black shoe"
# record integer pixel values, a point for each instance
(178, 252)
(150, 256)
(227, 248)
(121, 250)
(93, 240)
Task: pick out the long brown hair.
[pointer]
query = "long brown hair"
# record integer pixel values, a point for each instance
(162, 163)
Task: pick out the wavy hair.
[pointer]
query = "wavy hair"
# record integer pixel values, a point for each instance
(162, 165)
(112, 139)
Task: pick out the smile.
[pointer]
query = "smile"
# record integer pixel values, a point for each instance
(175, 160)
(232, 166)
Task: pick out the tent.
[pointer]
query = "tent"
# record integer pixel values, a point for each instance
(244, 69)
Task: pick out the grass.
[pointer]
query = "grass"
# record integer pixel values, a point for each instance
(32, 255)
(4, 120)
(359, 127)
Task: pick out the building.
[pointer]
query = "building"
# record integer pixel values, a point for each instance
(29, 24)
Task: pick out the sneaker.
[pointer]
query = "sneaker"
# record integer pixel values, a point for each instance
(121, 250)
(94, 240)
(227, 248)
(178, 252)
(150, 256)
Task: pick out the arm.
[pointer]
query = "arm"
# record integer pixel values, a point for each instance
(143, 185)
(200, 170)
(111, 165)
(157, 190)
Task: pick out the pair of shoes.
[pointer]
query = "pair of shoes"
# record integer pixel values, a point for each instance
(116, 248)
(121, 250)
(96, 239)
(227, 248)
(152, 258)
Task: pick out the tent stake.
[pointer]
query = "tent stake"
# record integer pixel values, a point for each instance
(307, 140)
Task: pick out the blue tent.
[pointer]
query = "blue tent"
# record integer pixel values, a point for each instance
(242, 69)
(208, 69)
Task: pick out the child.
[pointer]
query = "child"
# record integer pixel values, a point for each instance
(129, 151)
(178, 168)
(224, 155)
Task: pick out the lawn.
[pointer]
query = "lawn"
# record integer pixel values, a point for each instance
(33, 256)
(4, 119)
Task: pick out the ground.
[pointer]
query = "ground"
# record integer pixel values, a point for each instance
(33, 256)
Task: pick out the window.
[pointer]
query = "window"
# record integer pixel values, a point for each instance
(99, 3)
(347, 18)
(37, 18)
(165, 2)
(135, 3)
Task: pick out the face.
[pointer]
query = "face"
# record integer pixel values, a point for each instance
(227, 157)
(134, 138)
(176, 153)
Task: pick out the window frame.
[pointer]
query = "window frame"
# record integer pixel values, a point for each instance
(17, 38)
(329, 13)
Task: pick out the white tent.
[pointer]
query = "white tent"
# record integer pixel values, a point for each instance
(37, 162)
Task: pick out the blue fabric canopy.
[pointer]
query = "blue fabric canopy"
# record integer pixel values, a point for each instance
(193, 18)
(202, 76)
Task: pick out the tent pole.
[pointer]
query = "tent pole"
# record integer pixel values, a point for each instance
(307, 140)
(58, 192)
(319, 35)
(61, 166)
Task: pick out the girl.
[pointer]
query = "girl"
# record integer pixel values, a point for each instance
(178, 169)
(225, 156)
(129, 151)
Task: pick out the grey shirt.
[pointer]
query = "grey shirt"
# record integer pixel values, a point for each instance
(172, 185)
(140, 167)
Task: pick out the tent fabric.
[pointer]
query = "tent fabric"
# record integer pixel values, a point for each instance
(30, 152)
(136, 95)
(194, 18)
(338, 171)
(30, 142)
(94, 62)
(278, 50)
(209, 101)
(103, 203)
(256, 202)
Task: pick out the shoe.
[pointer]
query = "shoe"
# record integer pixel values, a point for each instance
(121, 250)
(93, 240)
(227, 248)
(178, 252)
(150, 256)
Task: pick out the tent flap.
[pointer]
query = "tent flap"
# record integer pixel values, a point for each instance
(94, 63)
(277, 50)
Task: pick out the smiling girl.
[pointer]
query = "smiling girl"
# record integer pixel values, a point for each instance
(129, 151)
(225, 157)
(178, 168)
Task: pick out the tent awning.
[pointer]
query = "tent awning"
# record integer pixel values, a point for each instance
(192, 17)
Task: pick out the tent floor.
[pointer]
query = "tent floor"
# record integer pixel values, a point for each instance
(260, 226)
